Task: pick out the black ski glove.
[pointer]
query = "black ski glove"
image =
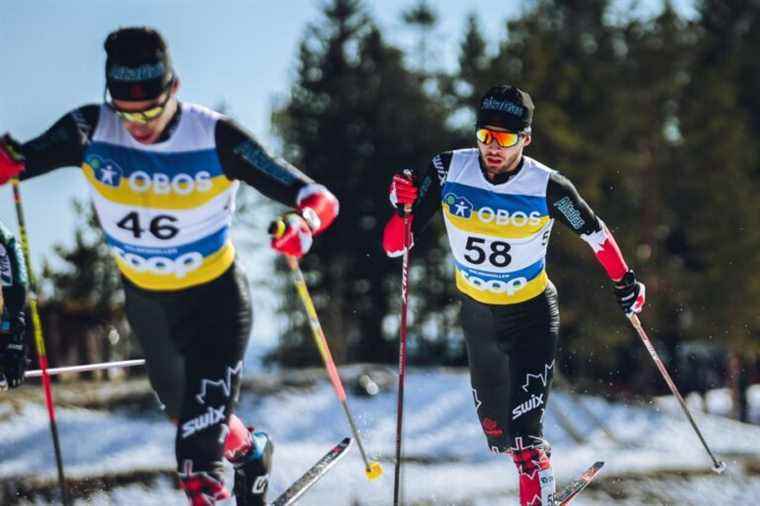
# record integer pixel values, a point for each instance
(13, 359)
(630, 293)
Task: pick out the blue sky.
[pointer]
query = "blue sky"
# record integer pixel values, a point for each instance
(240, 52)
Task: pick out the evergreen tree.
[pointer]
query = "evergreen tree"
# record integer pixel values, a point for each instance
(720, 181)
(422, 17)
(84, 313)
(356, 115)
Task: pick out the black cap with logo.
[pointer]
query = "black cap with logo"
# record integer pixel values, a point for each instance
(507, 107)
(138, 66)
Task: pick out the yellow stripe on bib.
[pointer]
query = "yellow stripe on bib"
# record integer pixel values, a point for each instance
(184, 193)
(507, 227)
(483, 293)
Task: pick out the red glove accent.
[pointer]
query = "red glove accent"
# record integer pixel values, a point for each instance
(631, 293)
(11, 161)
(393, 235)
(641, 299)
(403, 191)
(318, 206)
(291, 235)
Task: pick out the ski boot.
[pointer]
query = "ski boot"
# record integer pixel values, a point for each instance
(201, 488)
(252, 471)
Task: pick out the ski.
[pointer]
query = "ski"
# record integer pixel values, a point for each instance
(313, 474)
(568, 493)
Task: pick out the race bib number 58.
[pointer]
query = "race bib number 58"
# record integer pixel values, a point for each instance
(480, 250)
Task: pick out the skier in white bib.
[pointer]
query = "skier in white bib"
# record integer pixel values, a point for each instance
(163, 177)
(499, 207)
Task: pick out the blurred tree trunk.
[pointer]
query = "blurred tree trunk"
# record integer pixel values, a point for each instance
(738, 384)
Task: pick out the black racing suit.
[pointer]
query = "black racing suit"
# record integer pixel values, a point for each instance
(511, 347)
(14, 282)
(194, 338)
(13, 276)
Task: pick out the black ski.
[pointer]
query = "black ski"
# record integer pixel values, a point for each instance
(313, 474)
(568, 493)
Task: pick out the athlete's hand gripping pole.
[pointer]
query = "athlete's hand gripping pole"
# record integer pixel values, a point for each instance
(402, 356)
(40, 342)
(372, 469)
(718, 466)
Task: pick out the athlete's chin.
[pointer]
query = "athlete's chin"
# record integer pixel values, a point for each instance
(495, 163)
(145, 138)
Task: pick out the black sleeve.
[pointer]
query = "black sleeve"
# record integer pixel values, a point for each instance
(567, 206)
(243, 158)
(63, 144)
(13, 274)
(429, 183)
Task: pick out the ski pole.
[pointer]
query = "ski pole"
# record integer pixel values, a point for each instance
(402, 352)
(718, 466)
(372, 469)
(39, 341)
(87, 367)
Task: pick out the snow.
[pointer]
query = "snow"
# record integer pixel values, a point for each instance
(450, 461)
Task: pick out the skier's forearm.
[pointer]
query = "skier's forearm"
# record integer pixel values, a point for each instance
(428, 203)
(63, 144)
(607, 251)
(567, 206)
(244, 159)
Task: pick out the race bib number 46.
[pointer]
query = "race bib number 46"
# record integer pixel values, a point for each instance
(161, 226)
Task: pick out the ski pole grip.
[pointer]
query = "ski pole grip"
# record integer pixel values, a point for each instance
(277, 228)
(410, 176)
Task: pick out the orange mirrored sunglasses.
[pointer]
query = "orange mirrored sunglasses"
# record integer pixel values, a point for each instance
(503, 139)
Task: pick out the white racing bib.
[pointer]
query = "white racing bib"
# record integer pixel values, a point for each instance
(498, 233)
(165, 208)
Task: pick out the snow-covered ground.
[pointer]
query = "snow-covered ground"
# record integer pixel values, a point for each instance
(450, 466)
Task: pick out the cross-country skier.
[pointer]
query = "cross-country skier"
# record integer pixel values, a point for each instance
(163, 176)
(499, 207)
(13, 279)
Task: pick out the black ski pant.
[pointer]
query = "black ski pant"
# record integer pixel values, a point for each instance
(194, 341)
(511, 350)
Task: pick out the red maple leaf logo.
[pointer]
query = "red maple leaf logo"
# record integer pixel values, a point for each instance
(491, 428)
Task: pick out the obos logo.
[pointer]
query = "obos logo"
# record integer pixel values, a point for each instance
(161, 184)
(458, 206)
(504, 217)
(107, 172)
(461, 207)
